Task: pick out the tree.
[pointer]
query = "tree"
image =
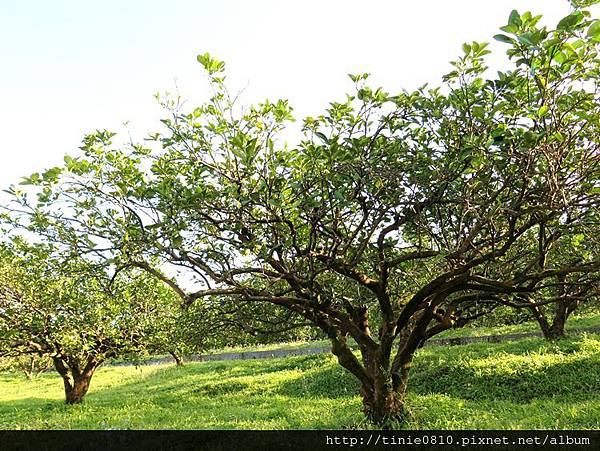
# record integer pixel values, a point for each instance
(30, 365)
(561, 295)
(70, 312)
(218, 323)
(395, 218)
(564, 294)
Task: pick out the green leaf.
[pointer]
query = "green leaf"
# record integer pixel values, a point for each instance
(576, 240)
(33, 179)
(583, 3)
(510, 28)
(514, 18)
(322, 137)
(543, 111)
(51, 175)
(478, 112)
(210, 64)
(594, 30)
(560, 57)
(570, 20)
(527, 39)
(503, 38)
(364, 93)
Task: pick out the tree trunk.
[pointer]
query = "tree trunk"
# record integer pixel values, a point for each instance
(542, 321)
(384, 397)
(177, 358)
(75, 381)
(29, 368)
(564, 307)
(76, 391)
(383, 405)
(557, 330)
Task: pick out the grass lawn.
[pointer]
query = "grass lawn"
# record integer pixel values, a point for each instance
(576, 321)
(525, 384)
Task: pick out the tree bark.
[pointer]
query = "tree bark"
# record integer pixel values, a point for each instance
(557, 330)
(78, 389)
(383, 381)
(75, 381)
(542, 321)
(384, 408)
(382, 404)
(384, 398)
(177, 358)
(29, 369)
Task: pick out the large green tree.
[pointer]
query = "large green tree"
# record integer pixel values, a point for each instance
(395, 217)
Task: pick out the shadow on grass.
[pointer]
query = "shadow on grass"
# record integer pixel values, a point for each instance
(572, 380)
(331, 382)
(314, 391)
(298, 377)
(461, 374)
(32, 403)
(311, 376)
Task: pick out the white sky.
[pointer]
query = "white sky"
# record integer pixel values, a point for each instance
(69, 67)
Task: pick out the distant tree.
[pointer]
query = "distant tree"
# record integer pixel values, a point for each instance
(568, 294)
(30, 365)
(220, 322)
(71, 313)
(564, 294)
(394, 219)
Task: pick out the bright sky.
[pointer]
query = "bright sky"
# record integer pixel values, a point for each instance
(69, 67)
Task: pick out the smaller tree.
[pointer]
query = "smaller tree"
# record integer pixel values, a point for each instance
(73, 313)
(563, 294)
(30, 365)
(219, 322)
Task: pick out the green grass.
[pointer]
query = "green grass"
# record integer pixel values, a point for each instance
(575, 322)
(514, 385)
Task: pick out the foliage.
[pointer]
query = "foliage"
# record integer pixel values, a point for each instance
(583, 3)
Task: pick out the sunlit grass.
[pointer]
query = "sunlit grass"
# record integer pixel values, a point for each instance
(520, 384)
(576, 321)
